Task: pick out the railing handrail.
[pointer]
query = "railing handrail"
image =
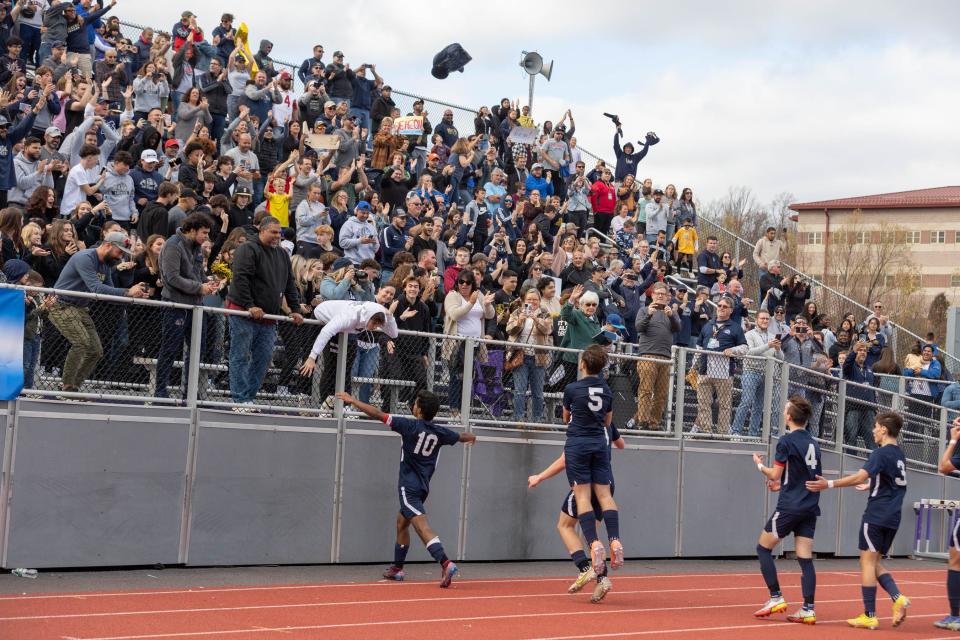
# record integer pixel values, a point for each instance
(734, 237)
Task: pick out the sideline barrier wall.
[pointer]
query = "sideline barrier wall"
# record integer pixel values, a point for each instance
(98, 484)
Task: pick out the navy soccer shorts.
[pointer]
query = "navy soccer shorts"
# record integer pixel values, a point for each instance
(782, 525)
(411, 502)
(873, 537)
(588, 467)
(570, 505)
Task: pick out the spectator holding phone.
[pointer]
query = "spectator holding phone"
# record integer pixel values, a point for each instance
(655, 327)
(761, 342)
(358, 235)
(859, 410)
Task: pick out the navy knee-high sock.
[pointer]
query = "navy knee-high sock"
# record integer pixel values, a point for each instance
(436, 550)
(889, 585)
(588, 525)
(611, 520)
(869, 600)
(769, 570)
(808, 581)
(400, 554)
(953, 592)
(580, 559)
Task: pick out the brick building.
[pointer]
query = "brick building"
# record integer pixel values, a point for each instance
(928, 220)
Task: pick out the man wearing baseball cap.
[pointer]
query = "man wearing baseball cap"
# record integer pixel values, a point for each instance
(9, 136)
(339, 79)
(146, 178)
(88, 271)
(536, 180)
(358, 235)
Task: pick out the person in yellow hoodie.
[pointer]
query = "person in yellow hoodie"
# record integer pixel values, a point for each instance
(687, 244)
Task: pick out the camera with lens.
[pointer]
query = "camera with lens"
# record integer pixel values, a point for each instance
(360, 276)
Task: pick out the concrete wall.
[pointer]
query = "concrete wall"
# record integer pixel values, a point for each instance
(98, 484)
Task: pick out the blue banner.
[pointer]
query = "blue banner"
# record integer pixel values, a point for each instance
(11, 343)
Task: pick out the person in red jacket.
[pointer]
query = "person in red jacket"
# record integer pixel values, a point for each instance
(603, 198)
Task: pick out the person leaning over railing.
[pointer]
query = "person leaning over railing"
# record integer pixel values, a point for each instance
(724, 336)
(89, 271)
(529, 323)
(762, 342)
(859, 407)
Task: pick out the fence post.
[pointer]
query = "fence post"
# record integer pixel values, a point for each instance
(431, 362)
(196, 349)
(466, 398)
(841, 421)
(341, 381)
(944, 432)
(681, 383)
(671, 389)
(768, 380)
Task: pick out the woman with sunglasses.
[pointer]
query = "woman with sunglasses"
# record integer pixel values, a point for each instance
(686, 207)
(466, 310)
(582, 324)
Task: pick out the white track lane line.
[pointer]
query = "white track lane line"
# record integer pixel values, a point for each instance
(590, 611)
(295, 605)
(623, 634)
(411, 584)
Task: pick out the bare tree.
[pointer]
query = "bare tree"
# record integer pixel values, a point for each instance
(937, 316)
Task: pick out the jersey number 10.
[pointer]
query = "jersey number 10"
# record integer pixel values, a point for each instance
(426, 443)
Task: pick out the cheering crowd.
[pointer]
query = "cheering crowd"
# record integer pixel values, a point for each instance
(178, 167)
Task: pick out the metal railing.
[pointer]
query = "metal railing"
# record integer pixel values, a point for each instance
(692, 394)
(831, 303)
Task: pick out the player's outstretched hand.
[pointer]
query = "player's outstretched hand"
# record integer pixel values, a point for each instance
(955, 430)
(773, 485)
(346, 397)
(533, 481)
(863, 486)
(757, 458)
(817, 485)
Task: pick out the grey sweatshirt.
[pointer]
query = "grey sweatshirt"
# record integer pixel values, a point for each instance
(118, 193)
(655, 333)
(28, 179)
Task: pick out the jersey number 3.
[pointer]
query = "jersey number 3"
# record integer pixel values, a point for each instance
(902, 480)
(811, 457)
(426, 443)
(594, 394)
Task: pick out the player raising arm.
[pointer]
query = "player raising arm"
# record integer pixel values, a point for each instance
(949, 463)
(587, 413)
(421, 442)
(567, 524)
(797, 460)
(884, 475)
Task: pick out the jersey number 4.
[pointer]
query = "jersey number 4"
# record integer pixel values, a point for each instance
(811, 457)
(595, 397)
(426, 443)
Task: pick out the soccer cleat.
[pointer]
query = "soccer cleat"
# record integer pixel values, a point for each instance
(863, 621)
(601, 590)
(587, 575)
(447, 576)
(950, 623)
(803, 616)
(774, 605)
(598, 555)
(394, 573)
(900, 609)
(616, 554)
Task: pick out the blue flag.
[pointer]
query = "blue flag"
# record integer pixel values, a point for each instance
(11, 343)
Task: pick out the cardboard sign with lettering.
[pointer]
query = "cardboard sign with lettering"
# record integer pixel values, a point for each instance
(523, 135)
(408, 126)
(323, 142)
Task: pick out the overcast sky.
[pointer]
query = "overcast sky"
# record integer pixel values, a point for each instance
(820, 99)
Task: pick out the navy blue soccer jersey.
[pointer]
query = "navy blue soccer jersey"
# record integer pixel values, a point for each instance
(799, 454)
(588, 400)
(421, 448)
(888, 485)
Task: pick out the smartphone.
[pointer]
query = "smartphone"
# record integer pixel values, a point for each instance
(166, 119)
(528, 307)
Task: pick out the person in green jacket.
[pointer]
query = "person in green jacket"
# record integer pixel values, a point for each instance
(580, 314)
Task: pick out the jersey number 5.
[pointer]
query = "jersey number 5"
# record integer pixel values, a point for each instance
(811, 457)
(595, 397)
(426, 443)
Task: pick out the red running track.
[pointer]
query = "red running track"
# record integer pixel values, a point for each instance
(640, 606)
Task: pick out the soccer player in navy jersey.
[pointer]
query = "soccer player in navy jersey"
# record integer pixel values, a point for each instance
(567, 524)
(949, 464)
(797, 460)
(587, 411)
(421, 442)
(884, 475)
